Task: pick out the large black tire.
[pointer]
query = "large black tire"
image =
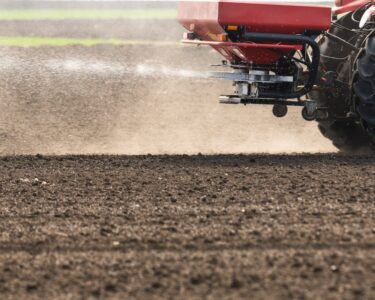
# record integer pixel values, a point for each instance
(364, 87)
(347, 135)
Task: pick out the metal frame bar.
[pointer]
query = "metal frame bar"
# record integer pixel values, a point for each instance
(245, 45)
(266, 101)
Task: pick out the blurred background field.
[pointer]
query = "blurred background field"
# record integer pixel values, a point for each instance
(61, 23)
(86, 14)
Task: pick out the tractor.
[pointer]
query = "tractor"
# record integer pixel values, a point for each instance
(318, 57)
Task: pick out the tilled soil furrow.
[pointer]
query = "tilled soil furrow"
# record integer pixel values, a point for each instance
(223, 226)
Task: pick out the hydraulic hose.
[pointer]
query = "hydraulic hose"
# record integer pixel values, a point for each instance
(289, 38)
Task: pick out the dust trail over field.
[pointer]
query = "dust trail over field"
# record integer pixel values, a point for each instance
(111, 99)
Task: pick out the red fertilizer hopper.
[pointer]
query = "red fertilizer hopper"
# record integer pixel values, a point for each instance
(314, 56)
(226, 25)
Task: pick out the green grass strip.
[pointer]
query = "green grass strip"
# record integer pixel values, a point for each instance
(20, 41)
(86, 14)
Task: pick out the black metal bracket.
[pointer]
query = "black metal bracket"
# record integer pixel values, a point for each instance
(268, 101)
(289, 38)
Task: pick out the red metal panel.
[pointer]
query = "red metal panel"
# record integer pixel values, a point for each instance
(273, 17)
(347, 6)
(249, 51)
(346, 2)
(202, 18)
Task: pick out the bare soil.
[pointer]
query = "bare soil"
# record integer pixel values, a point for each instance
(187, 227)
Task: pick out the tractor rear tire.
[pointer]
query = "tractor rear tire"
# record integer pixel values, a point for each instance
(349, 136)
(364, 87)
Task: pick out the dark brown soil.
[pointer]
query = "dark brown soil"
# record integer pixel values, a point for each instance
(216, 227)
